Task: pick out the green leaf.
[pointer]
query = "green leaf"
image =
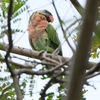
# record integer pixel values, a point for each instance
(1, 46)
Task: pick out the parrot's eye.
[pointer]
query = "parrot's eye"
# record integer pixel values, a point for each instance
(42, 17)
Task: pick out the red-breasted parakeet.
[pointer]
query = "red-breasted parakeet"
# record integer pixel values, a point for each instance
(42, 35)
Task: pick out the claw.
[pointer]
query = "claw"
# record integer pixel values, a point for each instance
(42, 52)
(57, 50)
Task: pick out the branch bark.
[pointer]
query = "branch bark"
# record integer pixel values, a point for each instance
(81, 56)
(9, 37)
(61, 25)
(35, 54)
(17, 89)
(78, 6)
(30, 53)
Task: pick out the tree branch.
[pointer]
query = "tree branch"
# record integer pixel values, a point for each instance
(81, 56)
(9, 37)
(31, 53)
(95, 68)
(17, 88)
(92, 75)
(61, 25)
(78, 6)
(35, 54)
(43, 93)
(31, 72)
(73, 23)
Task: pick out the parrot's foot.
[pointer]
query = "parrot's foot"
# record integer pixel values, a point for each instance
(41, 52)
(57, 50)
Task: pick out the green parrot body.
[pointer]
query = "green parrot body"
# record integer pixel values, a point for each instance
(42, 35)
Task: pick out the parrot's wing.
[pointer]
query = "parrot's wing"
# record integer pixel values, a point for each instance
(31, 43)
(53, 36)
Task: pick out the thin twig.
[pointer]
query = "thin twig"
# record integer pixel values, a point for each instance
(67, 28)
(4, 91)
(95, 68)
(31, 72)
(16, 64)
(92, 75)
(43, 92)
(37, 62)
(61, 25)
(28, 65)
(17, 88)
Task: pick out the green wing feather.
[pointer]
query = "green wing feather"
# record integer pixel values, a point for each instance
(53, 36)
(48, 42)
(31, 43)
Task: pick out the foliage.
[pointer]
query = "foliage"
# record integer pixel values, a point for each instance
(18, 8)
(95, 46)
(7, 91)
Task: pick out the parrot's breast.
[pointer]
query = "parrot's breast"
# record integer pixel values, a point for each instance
(39, 40)
(39, 34)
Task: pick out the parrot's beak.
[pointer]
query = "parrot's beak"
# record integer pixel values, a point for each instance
(51, 18)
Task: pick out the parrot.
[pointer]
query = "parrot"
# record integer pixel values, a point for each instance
(42, 35)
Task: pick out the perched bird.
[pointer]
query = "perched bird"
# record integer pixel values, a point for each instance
(42, 35)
